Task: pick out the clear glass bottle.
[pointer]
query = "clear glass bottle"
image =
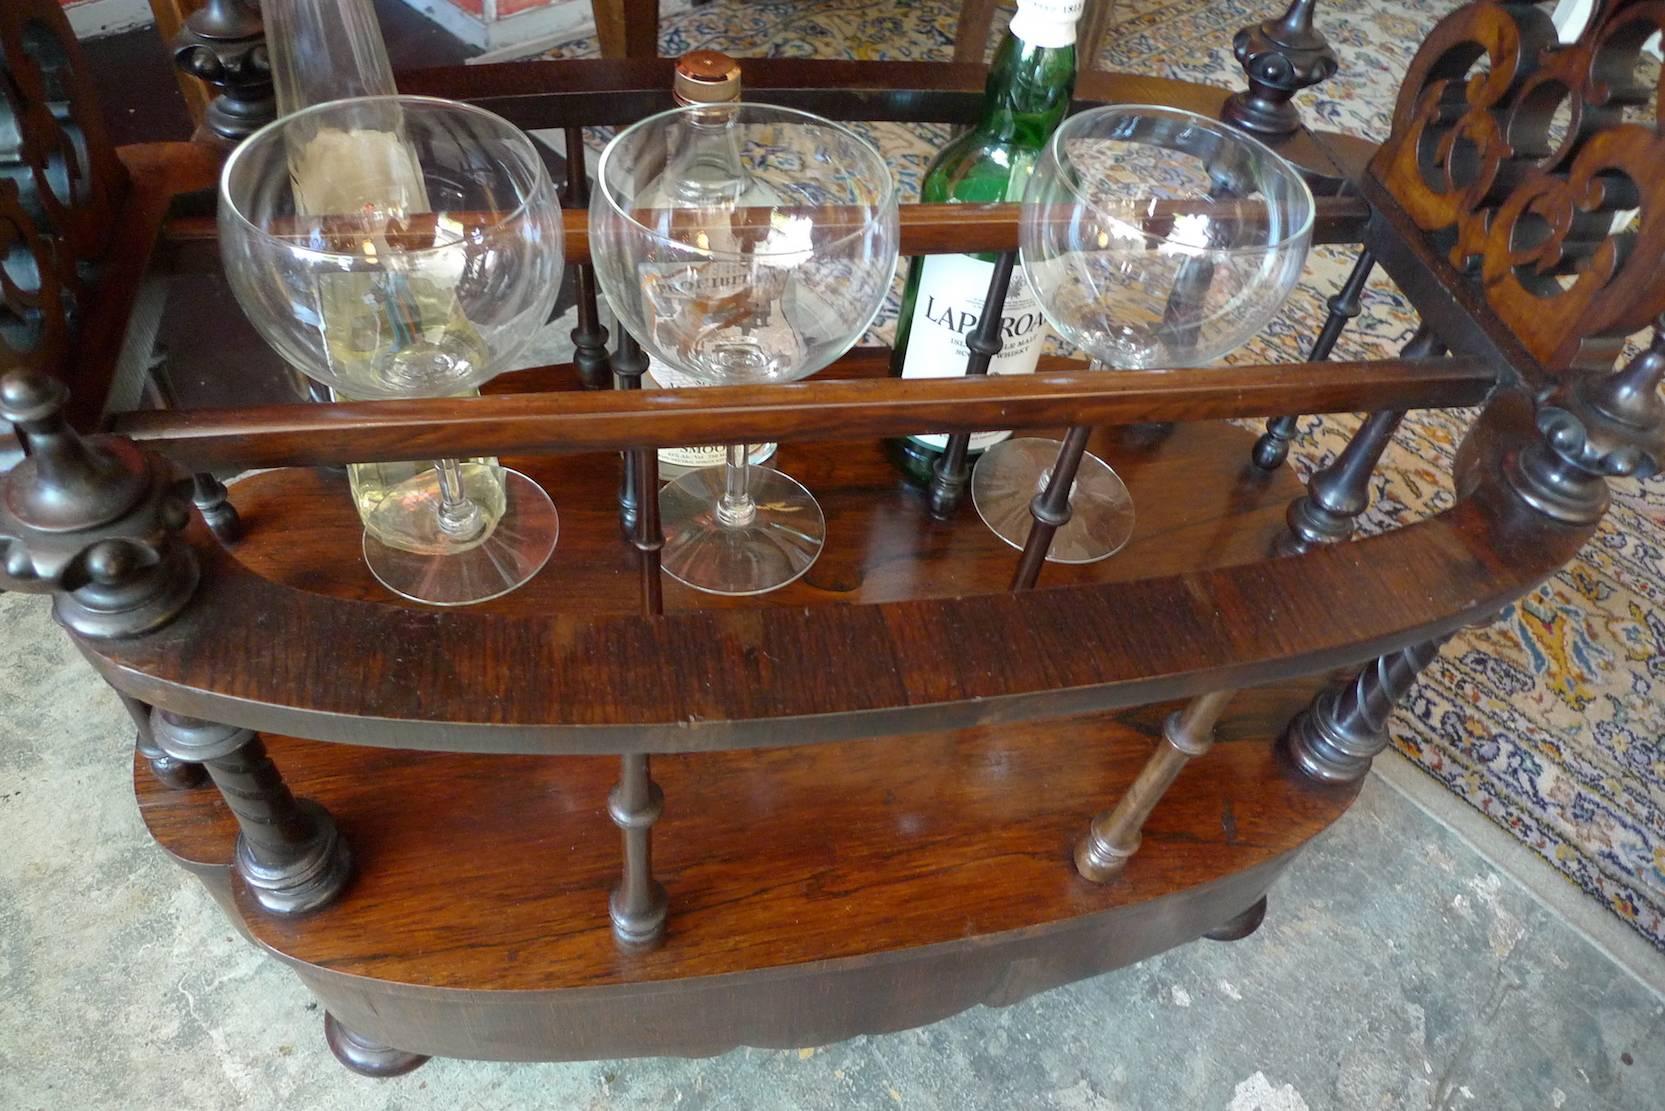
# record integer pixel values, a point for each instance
(1024, 99)
(707, 165)
(324, 50)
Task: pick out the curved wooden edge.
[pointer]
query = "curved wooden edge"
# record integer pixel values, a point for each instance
(877, 898)
(851, 997)
(252, 653)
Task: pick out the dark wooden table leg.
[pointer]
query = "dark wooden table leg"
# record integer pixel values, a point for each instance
(365, 1057)
(1242, 925)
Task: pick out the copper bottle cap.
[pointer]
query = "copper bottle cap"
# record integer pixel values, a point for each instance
(706, 77)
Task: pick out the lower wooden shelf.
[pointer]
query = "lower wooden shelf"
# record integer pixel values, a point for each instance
(816, 893)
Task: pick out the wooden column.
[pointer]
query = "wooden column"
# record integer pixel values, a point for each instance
(288, 851)
(1114, 835)
(1335, 738)
(173, 773)
(1339, 493)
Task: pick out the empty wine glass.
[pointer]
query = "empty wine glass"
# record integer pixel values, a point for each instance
(742, 244)
(1152, 237)
(406, 247)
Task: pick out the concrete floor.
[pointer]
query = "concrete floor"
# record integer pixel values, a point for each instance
(1397, 968)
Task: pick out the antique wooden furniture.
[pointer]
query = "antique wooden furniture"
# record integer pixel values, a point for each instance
(866, 789)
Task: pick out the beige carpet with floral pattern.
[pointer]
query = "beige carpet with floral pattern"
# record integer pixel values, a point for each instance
(1551, 720)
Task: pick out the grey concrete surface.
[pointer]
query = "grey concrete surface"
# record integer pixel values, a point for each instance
(1397, 968)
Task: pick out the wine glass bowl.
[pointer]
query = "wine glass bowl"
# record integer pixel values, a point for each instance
(742, 244)
(1152, 238)
(402, 247)
(438, 217)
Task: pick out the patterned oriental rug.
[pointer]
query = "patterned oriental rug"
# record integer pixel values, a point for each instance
(1550, 721)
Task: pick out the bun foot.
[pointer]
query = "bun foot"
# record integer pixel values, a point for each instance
(1240, 927)
(364, 1056)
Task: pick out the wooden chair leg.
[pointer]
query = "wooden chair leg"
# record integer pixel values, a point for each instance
(1114, 835)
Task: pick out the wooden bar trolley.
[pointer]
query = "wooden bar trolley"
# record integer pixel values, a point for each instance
(906, 784)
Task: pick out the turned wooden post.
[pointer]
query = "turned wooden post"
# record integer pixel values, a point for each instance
(950, 475)
(1050, 508)
(288, 851)
(212, 500)
(177, 774)
(1343, 306)
(629, 364)
(589, 337)
(1340, 492)
(1335, 739)
(1114, 835)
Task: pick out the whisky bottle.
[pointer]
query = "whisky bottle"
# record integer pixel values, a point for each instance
(1025, 98)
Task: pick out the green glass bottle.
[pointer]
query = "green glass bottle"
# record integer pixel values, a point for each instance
(1026, 96)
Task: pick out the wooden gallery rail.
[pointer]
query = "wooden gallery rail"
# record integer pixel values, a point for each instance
(925, 776)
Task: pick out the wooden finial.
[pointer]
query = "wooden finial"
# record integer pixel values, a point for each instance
(94, 521)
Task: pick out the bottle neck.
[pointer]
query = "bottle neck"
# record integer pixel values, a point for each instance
(705, 167)
(1028, 91)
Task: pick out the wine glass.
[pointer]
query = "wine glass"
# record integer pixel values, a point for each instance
(407, 247)
(1152, 237)
(742, 244)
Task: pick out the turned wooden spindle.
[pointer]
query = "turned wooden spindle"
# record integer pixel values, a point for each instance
(213, 501)
(1343, 306)
(1051, 508)
(629, 364)
(288, 852)
(1335, 738)
(177, 774)
(1114, 835)
(589, 338)
(951, 475)
(638, 904)
(1340, 492)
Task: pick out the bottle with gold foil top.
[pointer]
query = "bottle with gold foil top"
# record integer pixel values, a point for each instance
(707, 162)
(1024, 100)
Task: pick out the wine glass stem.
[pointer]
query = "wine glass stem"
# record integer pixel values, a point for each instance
(458, 515)
(735, 509)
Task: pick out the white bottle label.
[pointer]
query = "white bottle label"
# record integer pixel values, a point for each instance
(946, 310)
(661, 375)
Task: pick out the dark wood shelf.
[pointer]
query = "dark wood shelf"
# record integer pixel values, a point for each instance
(1198, 502)
(863, 867)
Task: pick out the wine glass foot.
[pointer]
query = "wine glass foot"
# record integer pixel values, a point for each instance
(513, 544)
(1010, 474)
(774, 548)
